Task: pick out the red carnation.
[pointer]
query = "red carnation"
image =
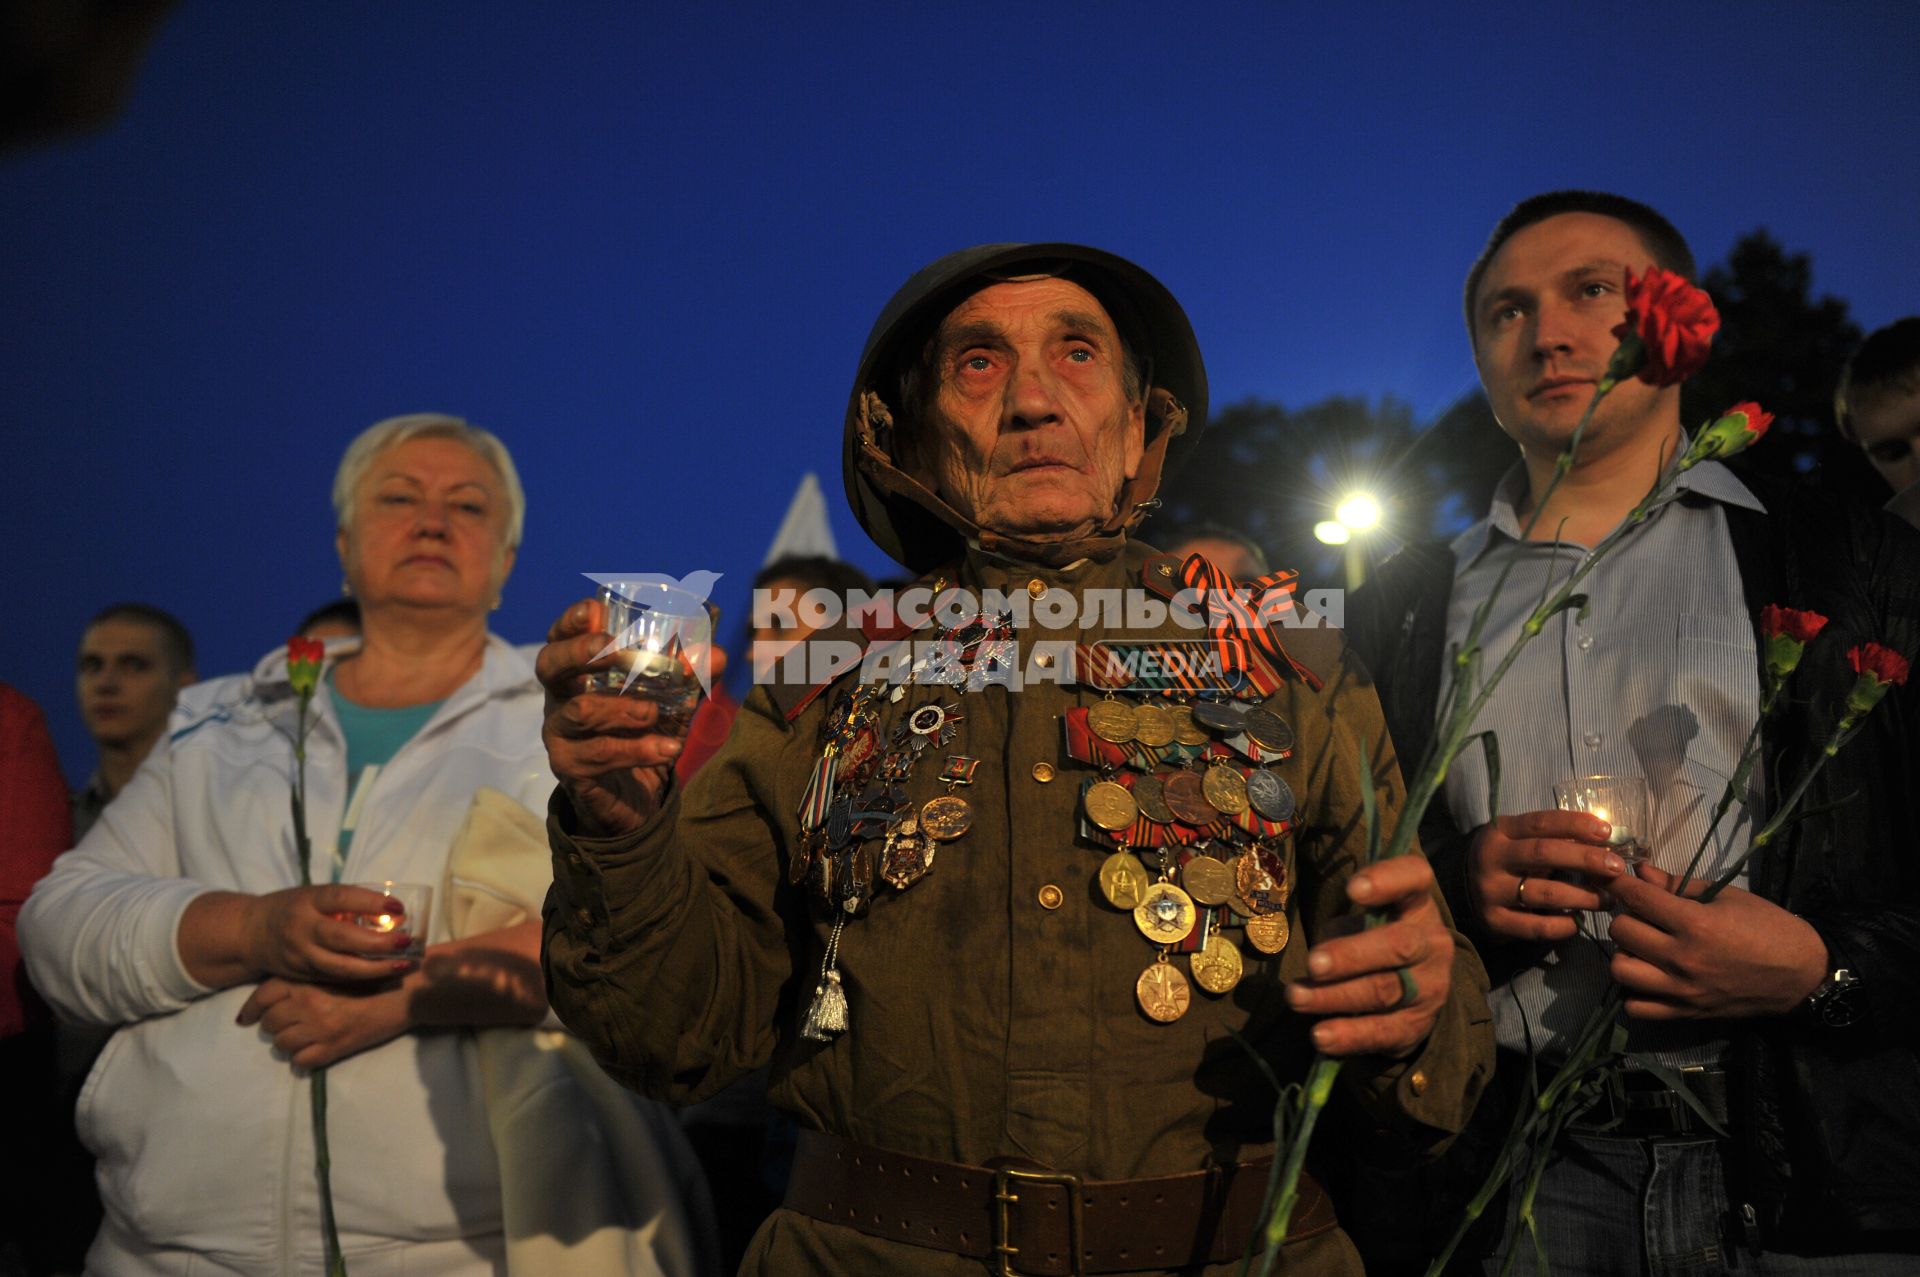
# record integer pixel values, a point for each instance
(1876, 668)
(304, 656)
(1669, 326)
(1787, 631)
(1793, 623)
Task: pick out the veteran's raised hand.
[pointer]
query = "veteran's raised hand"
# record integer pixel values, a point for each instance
(612, 754)
(1517, 867)
(1381, 989)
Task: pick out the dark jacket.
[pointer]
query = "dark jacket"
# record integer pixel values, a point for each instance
(1825, 1122)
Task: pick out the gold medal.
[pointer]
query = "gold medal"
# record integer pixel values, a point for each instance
(1186, 795)
(1110, 806)
(1111, 721)
(946, 817)
(1225, 789)
(1260, 883)
(1149, 794)
(1207, 880)
(1162, 991)
(1217, 967)
(1166, 914)
(1122, 881)
(1185, 730)
(1152, 726)
(1268, 933)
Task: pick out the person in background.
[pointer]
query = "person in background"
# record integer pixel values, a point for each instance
(780, 586)
(339, 618)
(181, 917)
(133, 661)
(36, 1233)
(1877, 405)
(1234, 553)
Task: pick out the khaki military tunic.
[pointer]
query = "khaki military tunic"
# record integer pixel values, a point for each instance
(984, 1023)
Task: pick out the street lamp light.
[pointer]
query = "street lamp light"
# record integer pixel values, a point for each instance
(1356, 515)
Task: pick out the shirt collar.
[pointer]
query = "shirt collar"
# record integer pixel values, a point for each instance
(1710, 479)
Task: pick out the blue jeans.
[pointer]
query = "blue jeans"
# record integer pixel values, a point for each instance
(1658, 1208)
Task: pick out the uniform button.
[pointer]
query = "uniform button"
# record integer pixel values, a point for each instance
(1051, 897)
(1043, 772)
(1036, 587)
(1586, 642)
(1418, 1082)
(585, 915)
(574, 859)
(1592, 740)
(1044, 660)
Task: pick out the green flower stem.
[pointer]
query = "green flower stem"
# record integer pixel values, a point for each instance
(1843, 732)
(317, 1085)
(1440, 753)
(1313, 1099)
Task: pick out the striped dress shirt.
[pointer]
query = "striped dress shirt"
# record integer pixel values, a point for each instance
(1658, 679)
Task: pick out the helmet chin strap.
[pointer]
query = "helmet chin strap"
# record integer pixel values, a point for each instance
(1137, 497)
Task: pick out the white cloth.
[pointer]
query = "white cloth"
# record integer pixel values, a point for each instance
(202, 1133)
(595, 1180)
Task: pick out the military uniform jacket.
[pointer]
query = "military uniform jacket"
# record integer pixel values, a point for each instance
(984, 1023)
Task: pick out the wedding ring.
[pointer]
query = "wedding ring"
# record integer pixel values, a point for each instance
(1408, 989)
(1520, 894)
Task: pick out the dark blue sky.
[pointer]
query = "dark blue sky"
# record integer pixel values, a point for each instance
(643, 243)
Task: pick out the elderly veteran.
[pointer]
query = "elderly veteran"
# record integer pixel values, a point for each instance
(1019, 1053)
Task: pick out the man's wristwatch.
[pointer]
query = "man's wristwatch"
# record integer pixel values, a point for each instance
(1831, 1003)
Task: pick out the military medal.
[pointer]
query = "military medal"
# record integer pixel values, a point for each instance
(1149, 795)
(907, 854)
(1225, 789)
(1185, 794)
(1270, 731)
(1270, 795)
(1152, 726)
(1110, 806)
(946, 817)
(1185, 730)
(1122, 881)
(1162, 991)
(1207, 880)
(1111, 720)
(1260, 882)
(1268, 933)
(1165, 915)
(1217, 967)
(1220, 716)
(934, 724)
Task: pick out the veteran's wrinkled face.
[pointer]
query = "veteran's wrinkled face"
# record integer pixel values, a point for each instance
(1032, 431)
(1543, 323)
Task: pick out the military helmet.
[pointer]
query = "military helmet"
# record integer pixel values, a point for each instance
(900, 510)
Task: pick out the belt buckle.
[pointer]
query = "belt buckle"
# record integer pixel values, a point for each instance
(1004, 1179)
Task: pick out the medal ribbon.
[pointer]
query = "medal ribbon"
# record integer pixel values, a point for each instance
(1242, 618)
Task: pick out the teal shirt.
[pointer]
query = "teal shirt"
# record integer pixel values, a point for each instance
(373, 737)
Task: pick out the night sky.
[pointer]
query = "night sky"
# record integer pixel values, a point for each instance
(644, 243)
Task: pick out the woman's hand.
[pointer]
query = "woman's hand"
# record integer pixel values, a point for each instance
(316, 1024)
(301, 933)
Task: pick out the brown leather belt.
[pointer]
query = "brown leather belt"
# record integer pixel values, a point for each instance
(1042, 1222)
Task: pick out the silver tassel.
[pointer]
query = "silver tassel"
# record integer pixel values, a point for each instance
(827, 1017)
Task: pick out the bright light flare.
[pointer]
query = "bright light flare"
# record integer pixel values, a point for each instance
(1332, 533)
(1359, 513)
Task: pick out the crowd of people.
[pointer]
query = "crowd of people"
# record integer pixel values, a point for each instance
(878, 970)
